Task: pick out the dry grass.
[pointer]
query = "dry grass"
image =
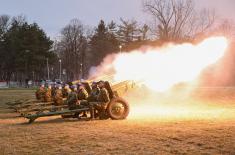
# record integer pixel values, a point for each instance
(157, 135)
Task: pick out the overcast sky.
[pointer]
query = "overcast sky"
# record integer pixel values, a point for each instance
(52, 15)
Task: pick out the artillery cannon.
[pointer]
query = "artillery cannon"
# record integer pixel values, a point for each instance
(116, 109)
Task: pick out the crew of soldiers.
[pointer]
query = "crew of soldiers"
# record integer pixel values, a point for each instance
(76, 96)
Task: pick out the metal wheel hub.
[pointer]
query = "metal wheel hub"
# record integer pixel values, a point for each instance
(118, 109)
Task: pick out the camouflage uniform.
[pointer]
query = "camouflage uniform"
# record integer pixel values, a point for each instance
(53, 89)
(82, 94)
(102, 100)
(40, 93)
(93, 95)
(103, 96)
(58, 98)
(48, 95)
(66, 92)
(72, 100)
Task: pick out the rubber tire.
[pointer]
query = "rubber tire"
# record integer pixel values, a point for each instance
(125, 104)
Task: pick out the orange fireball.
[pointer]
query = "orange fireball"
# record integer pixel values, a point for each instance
(162, 68)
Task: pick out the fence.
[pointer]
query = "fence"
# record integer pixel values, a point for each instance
(15, 84)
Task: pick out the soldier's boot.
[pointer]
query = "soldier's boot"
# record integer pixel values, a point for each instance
(102, 114)
(96, 114)
(76, 115)
(84, 114)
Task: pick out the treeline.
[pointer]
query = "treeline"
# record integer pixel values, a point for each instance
(80, 48)
(25, 49)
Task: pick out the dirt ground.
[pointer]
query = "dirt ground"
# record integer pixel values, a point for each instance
(151, 135)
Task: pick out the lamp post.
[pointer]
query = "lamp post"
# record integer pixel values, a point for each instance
(60, 68)
(81, 70)
(26, 63)
(52, 73)
(33, 79)
(120, 48)
(48, 71)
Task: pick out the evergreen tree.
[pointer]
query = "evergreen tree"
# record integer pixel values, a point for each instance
(103, 42)
(26, 49)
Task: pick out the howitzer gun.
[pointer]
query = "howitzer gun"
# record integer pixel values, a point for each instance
(116, 109)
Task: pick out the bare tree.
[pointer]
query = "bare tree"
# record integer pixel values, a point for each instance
(72, 47)
(4, 23)
(226, 28)
(20, 19)
(177, 19)
(144, 32)
(201, 22)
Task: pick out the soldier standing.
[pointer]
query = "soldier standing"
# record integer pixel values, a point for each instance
(40, 93)
(58, 98)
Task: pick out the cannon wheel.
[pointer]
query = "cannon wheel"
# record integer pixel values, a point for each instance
(118, 109)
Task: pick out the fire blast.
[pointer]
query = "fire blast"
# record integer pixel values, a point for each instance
(162, 68)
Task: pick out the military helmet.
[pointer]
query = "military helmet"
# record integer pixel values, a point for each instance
(58, 86)
(94, 83)
(101, 81)
(73, 86)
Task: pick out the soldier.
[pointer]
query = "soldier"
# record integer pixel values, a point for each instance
(48, 94)
(66, 90)
(53, 89)
(72, 99)
(94, 92)
(82, 97)
(103, 95)
(82, 93)
(40, 93)
(58, 98)
(102, 99)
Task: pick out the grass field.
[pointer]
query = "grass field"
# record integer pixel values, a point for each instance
(210, 129)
